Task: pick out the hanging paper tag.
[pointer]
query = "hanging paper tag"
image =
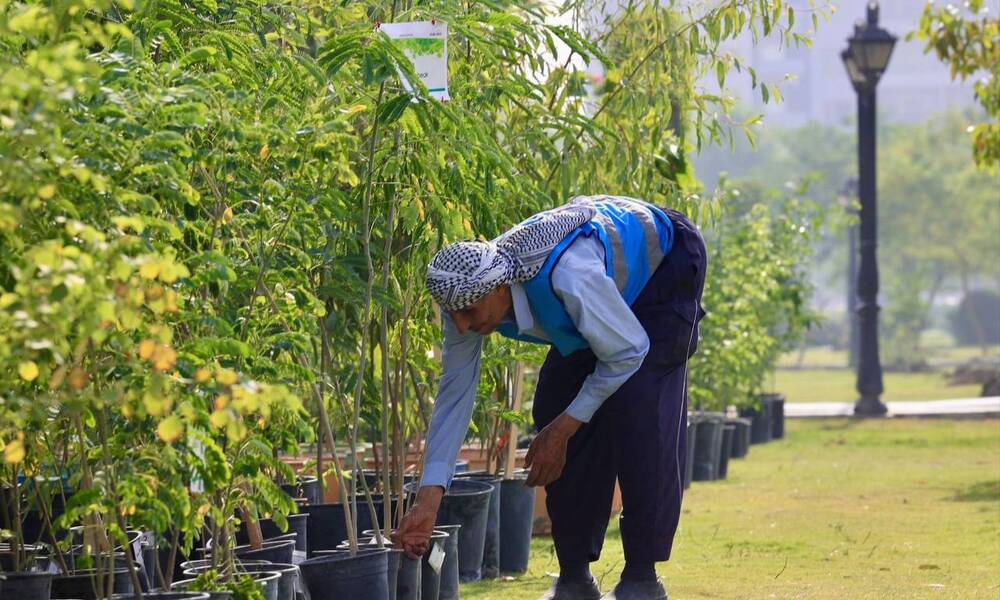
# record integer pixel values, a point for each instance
(425, 43)
(436, 558)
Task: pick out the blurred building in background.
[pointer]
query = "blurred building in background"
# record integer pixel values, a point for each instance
(914, 87)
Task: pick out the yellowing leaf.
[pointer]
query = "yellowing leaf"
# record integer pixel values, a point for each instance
(13, 452)
(264, 152)
(202, 375)
(227, 216)
(146, 348)
(226, 377)
(219, 418)
(156, 405)
(28, 370)
(164, 358)
(47, 191)
(150, 269)
(171, 271)
(170, 429)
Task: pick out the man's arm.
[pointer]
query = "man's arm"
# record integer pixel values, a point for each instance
(449, 424)
(454, 404)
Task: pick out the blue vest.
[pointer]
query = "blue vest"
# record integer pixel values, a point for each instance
(636, 236)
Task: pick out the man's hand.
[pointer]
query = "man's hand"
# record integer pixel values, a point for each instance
(547, 455)
(414, 533)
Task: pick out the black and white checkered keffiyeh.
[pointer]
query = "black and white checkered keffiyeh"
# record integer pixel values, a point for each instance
(462, 273)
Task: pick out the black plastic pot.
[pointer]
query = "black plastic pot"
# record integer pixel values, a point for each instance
(203, 565)
(325, 527)
(286, 583)
(692, 437)
(372, 478)
(392, 561)
(430, 580)
(82, 584)
(708, 444)
(307, 487)
(270, 582)
(40, 562)
(269, 530)
(450, 568)
(741, 438)
(339, 575)
(760, 421)
(276, 551)
(467, 503)
(165, 596)
(491, 544)
(461, 466)
(728, 431)
(777, 415)
(22, 585)
(517, 513)
(408, 579)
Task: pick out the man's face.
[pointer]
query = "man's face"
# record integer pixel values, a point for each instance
(485, 315)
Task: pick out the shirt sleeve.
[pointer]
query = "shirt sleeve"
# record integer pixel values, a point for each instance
(455, 401)
(603, 318)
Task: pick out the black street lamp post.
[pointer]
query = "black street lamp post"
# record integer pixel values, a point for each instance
(866, 57)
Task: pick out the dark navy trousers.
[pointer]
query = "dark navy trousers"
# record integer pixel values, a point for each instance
(638, 436)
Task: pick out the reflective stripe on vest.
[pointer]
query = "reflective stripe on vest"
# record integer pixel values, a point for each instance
(636, 236)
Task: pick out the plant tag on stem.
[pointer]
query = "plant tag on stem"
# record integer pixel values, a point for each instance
(436, 558)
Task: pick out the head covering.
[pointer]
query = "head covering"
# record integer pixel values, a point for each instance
(462, 273)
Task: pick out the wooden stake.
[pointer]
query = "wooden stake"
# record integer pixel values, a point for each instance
(515, 406)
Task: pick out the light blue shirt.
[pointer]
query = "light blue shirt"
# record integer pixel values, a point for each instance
(599, 313)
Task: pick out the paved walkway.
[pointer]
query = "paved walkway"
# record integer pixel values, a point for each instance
(960, 407)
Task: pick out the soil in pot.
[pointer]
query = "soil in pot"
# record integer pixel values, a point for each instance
(491, 544)
(337, 576)
(450, 578)
(708, 444)
(728, 432)
(82, 584)
(517, 512)
(466, 503)
(23, 585)
(430, 580)
(269, 530)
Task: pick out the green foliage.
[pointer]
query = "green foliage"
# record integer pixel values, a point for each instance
(756, 293)
(967, 41)
(215, 217)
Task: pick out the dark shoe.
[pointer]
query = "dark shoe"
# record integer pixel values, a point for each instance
(637, 590)
(573, 590)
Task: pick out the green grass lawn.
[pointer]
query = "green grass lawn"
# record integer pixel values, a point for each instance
(839, 509)
(837, 385)
(824, 356)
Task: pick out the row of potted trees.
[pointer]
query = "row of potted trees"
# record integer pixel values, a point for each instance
(214, 224)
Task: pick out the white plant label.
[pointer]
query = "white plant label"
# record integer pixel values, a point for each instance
(436, 558)
(425, 43)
